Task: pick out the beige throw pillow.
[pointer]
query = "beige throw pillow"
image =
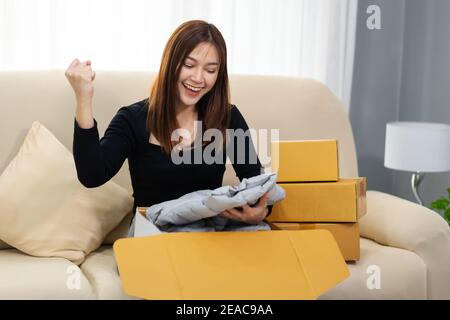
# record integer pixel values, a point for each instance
(45, 211)
(4, 245)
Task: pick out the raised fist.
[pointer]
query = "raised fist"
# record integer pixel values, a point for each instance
(81, 78)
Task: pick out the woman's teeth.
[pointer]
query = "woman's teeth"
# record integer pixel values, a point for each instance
(192, 88)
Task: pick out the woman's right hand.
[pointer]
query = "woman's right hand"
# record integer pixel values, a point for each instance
(81, 78)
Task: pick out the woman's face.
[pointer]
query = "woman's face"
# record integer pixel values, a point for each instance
(198, 74)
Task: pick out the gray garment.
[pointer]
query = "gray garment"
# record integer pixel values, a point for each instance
(198, 211)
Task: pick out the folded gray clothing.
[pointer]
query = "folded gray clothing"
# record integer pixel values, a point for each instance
(198, 210)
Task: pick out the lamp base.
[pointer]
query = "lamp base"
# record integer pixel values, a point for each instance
(416, 178)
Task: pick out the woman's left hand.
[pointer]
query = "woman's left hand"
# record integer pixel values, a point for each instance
(251, 215)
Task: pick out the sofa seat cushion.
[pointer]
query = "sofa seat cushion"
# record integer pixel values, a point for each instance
(27, 277)
(100, 269)
(402, 275)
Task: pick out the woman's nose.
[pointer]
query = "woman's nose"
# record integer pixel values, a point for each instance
(197, 76)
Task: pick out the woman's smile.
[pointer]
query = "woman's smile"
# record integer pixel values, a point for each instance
(191, 90)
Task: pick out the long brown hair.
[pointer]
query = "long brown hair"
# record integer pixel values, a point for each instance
(213, 108)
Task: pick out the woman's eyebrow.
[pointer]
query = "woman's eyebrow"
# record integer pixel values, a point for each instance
(209, 63)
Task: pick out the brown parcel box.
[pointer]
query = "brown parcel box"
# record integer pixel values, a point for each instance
(230, 265)
(305, 161)
(342, 201)
(346, 235)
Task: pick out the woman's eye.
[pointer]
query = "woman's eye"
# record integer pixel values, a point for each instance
(190, 66)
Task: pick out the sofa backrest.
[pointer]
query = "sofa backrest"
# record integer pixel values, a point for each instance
(300, 108)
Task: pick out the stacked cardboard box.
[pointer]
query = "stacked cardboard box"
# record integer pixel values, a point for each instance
(316, 198)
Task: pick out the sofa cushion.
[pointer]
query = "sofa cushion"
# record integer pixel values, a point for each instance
(100, 269)
(26, 277)
(402, 275)
(4, 245)
(45, 211)
(121, 231)
(396, 222)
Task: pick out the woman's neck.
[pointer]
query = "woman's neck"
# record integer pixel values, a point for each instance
(186, 114)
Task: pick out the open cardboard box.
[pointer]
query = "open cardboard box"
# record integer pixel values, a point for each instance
(258, 265)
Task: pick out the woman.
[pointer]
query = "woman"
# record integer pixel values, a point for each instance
(191, 87)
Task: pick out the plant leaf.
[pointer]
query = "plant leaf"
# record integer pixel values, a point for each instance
(447, 215)
(440, 204)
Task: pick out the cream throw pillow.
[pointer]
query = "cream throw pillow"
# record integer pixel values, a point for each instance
(45, 211)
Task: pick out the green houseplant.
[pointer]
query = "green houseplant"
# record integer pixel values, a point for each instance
(442, 205)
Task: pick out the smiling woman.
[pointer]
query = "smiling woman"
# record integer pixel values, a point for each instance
(199, 89)
(191, 87)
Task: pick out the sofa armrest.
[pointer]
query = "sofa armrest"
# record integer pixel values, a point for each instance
(396, 222)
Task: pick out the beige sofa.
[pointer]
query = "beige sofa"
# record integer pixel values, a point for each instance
(405, 248)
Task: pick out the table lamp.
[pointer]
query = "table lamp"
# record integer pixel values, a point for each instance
(417, 147)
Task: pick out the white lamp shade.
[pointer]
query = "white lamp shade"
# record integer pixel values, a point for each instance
(417, 146)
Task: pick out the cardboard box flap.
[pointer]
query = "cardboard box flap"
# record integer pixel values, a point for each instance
(318, 252)
(230, 265)
(145, 266)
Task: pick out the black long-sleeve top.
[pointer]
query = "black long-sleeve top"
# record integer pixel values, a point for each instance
(154, 177)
